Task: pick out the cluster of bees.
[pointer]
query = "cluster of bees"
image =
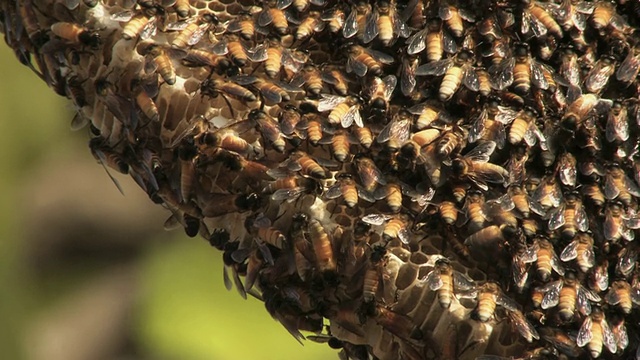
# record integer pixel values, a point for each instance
(399, 179)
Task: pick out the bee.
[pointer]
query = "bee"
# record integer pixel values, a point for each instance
(397, 132)
(137, 26)
(412, 149)
(617, 129)
(275, 57)
(358, 19)
(214, 87)
(384, 22)
(627, 258)
(448, 212)
(489, 123)
(306, 165)
(595, 332)
(446, 281)
(147, 105)
(475, 166)
(598, 77)
(276, 17)
(594, 193)
(157, 56)
(290, 188)
(543, 254)
(395, 226)
(408, 75)
(618, 224)
(392, 192)
(244, 25)
(499, 211)
(457, 70)
(302, 252)
(581, 249)
(524, 128)
(343, 110)
(194, 31)
(363, 60)
(251, 171)
(239, 53)
(453, 140)
(520, 200)
(521, 70)
(364, 136)
(311, 77)
(310, 25)
(619, 331)
(560, 340)
(473, 211)
(570, 217)
(273, 93)
(227, 139)
(436, 40)
(261, 227)
(489, 296)
(547, 195)
(567, 293)
(335, 18)
(322, 246)
(370, 175)
(336, 78)
(182, 8)
(618, 185)
(289, 118)
(379, 93)
(622, 294)
(574, 14)
(489, 235)
(108, 158)
(399, 325)
(569, 68)
(454, 17)
(351, 192)
(230, 203)
(605, 16)
(199, 57)
(630, 66)
(584, 109)
(373, 274)
(428, 113)
(536, 19)
(312, 125)
(77, 34)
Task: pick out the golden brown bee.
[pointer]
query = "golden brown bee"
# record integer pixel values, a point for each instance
(323, 248)
(446, 281)
(622, 294)
(595, 332)
(543, 254)
(619, 224)
(351, 192)
(434, 39)
(521, 70)
(359, 17)
(157, 56)
(301, 246)
(363, 60)
(290, 188)
(136, 26)
(428, 113)
(373, 273)
(194, 31)
(448, 212)
(147, 105)
(261, 226)
(344, 110)
(583, 110)
(546, 196)
(599, 279)
(76, 34)
(254, 265)
(310, 25)
(594, 193)
(570, 217)
(569, 68)
(567, 293)
(392, 192)
(395, 226)
(489, 296)
(408, 75)
(230, 203)
(619, 186)
(289, 118)
(605, 16)
(453, 17)
(520, 200)
(364, 136)
(581, 249)
(269, 129)
(30, 22)
(524, 128)
(335, 18)
(621, 335)
(598, 77)
(311, 123)
(275, 54)
(458, 70)
(370, 175)
(397, 132)
(538, 21)
(199, 57)
(107, 157)
(182, 8)
(239, 53)
(340, 143)
(226, 139)
(275, 17)
(397, 324)
(487, 236)
(473, 211)
(272, 92)
(215, 87)
(617, 130)
(306, 165)
(379, 93)
(311, 78)
(335, 77)
(244, 25)
(475, 166)
(630, 66)
(384, 23)
(530, 227)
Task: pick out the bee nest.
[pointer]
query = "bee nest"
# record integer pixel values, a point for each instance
(401, 180)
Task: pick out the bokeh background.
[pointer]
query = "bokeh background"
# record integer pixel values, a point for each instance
(86, 273)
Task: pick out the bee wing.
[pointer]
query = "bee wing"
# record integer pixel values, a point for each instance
(598, 77)
(220, 48)
(530, 254)
(390, 82)
(265, 18)
(352, 115)
(226, 278)
(462, 282)
(482, 152)
(266, 253)
(371, 29)
(433, 280)
(365, 195)
(381, 57)
(328, 102)
(628, 69)
(507, 302)
(501, 74)
(350, 27)
(283, 4)
(612, 297)
(288, 194)
(609, 340)
(375, 219)
(531, 23)
(552, 294)
(149, 30)
(537, 75)
(581, 219)
(356, 67)
(408, 77)
(523, 326)
(399, 130)
(125, 16)
(555, 264)
(334, 191)
(258, 53)
(470, 78)
(584, 334)
(449, 43)
(556, 218)
(616, 129)
(436, 68)
(198, 34)
(622, 337)
(570, 251)
(404, 235)
(477, 125)
(611, 191)
(417, 42)
(631, 187)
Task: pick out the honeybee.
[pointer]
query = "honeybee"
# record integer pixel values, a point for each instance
(408, 75)
(573, 14)
(312, 126)
(147, 105)
(594, 193)
(373, 274)
(370, 175)
(311, 78)
(543, 254)
(194, 31)
(274, 16)
(453, 139)
(618, 224)
(627, 259)
(358, 19)
(239, 53)
(457, 70)
(198, 57)
(618, 185)
(487, 236)
(307, 166)
(598, 77)
(489, 295)
(344, 110)
(244, 25)
(275, 58)
(261, 227)
(248, 171)
(351, 192)
(488, 123)
(453, 17)
(473, 211)
(301, 247)
(521, 70)
(363, 60)
(617, 130)
(581, 249)
(475, 166)
(428, 113)
(215, 87)
(434, 39)
(448, 212)
(379, 92)
(395, 226)
(567, 293)
(570, 217)
(583, 110)
(524, 128)
(520, 200)
(595, 332)
(605, 17)
(392, 192)
(335, 77)
(272, 92)
(76, 34)
(569, 68)
(139, 25)
(446, 281)
(340, 142)
(622, 294)
(157, 58)
(335, 18)
(628, 69)
(537, 20)
(290, 188)
(546, 196)
(107, 157)
(384, 22)
(619, 331)
(364, 136)
(397, 132)
(560, 340)
(230, 203)
(322, 246)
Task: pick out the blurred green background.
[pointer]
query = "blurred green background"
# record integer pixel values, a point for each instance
(86, 273)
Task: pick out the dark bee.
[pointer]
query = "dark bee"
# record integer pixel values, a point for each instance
(269, 129)
(370, 175)
(231, 203)
(76, 34)
(373, 274)
(335, 18)
(311, 78)
(290, 188)
(605, 17)
(617, 129)
(199, 57)
(357, 20)
(408, 74)
(458, 70)
(583, 110)
(397, 132)
(362, 60)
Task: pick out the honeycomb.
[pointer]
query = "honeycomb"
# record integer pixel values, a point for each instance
(399, 180)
